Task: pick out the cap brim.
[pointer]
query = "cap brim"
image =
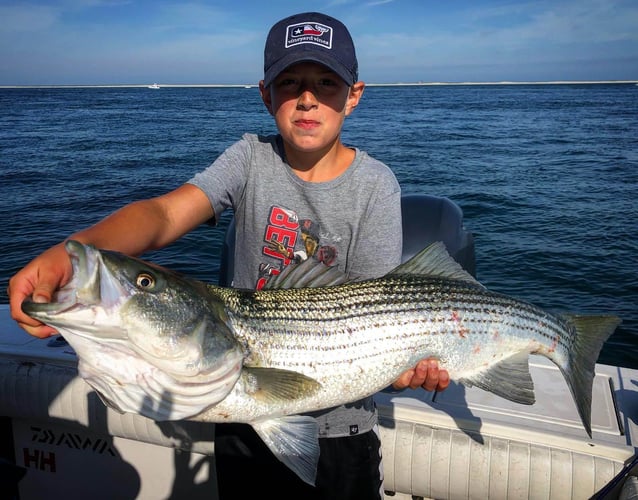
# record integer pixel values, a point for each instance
(294, 58)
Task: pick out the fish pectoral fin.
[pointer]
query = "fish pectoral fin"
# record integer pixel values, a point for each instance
(509, 379)
(272, 385)
(294, 440)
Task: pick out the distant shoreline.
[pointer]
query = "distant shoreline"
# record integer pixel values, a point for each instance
(398, 84)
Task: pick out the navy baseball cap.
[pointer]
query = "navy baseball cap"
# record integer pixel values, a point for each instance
(310, 37)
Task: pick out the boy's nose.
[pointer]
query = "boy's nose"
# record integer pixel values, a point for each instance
(306, 99)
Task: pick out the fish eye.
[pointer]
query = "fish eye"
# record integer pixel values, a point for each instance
(145, 280)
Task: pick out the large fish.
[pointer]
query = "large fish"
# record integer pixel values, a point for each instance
(153, 342)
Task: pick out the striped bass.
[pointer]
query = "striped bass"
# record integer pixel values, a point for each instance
(153, 342)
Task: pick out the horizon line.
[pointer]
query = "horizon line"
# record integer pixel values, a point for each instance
(252, 85)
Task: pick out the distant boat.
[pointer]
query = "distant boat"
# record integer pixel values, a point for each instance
(154, 86)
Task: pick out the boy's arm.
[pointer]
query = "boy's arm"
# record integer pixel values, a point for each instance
(150, 224)
(134, 229)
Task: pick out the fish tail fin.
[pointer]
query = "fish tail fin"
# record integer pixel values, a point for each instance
(591, 332)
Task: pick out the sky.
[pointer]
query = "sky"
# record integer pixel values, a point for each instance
(92, 42)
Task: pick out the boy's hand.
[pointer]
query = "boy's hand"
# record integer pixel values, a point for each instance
(39, 279)
(425, 374)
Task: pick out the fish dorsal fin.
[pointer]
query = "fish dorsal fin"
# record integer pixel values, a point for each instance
(308, 274)
(434, 261)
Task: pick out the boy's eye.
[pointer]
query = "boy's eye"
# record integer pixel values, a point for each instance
(327, 82)
(288, 82)
(327, 85)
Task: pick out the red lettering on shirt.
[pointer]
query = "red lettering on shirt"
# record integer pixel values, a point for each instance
(281, 234)
(280, 217)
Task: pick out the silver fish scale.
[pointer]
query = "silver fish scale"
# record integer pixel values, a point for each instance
(380, 328)
(391, 301)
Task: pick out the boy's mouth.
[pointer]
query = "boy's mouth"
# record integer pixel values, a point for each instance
(306, 124)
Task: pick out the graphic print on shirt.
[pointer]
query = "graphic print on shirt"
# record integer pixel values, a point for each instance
(290, 239)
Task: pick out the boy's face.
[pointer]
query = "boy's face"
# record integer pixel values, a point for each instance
(309, 103)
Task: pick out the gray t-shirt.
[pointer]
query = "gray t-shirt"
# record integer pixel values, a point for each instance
(353, 222)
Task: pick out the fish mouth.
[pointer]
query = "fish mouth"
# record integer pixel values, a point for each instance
(92, 287)
(136, 363)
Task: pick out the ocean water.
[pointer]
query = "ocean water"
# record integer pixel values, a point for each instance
(546, 175)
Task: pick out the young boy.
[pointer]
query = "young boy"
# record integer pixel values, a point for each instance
(296, 195)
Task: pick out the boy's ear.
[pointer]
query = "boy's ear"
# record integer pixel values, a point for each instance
(354, 95)
(265, 96)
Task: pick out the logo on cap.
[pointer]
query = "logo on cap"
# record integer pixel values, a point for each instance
(314, 33)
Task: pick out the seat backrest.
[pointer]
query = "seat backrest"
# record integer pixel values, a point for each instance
(426, 219)
(227, 264)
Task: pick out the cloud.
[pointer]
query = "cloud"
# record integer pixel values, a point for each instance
(521, 41)
(179, 17)
(25, 18)
(98, 40)
(378, 2)
(506, 33)
(583, 22)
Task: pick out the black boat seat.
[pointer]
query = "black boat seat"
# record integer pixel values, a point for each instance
(427, 219)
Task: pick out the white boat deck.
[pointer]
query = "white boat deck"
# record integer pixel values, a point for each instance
(461, 443)
(467, 443)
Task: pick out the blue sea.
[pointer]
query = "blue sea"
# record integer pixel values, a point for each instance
(546, 175)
